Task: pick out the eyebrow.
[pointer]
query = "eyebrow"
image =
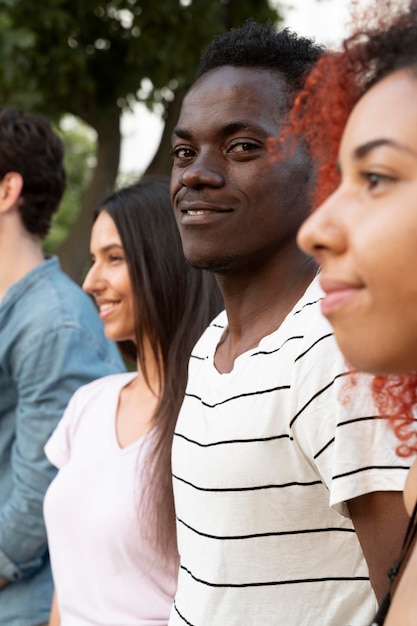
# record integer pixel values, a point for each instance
(110, 246)
(224, 131)
(364, 149)
(181, 133)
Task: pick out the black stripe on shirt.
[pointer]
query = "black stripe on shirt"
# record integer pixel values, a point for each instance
(300, 356)
(316, 395)
(363, 418)
(255, 488)
(269, 583)
(308, 304)
(182, 616)
(275, 350)
(371, 467)
(324, 448)
(229, 441)
(242, 395)
(199, 358)
(285, 533)
(346, 423)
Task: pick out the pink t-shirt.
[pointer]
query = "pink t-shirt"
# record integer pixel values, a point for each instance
(105, 573)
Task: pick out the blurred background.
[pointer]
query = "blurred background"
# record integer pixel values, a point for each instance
(111, 75)
(326, 21)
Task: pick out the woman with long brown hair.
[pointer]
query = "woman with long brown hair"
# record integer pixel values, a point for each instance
(109, 513)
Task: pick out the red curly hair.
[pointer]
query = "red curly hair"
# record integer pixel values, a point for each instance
(384, 41)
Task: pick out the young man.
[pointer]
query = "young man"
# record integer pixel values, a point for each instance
(51, 342)
(288, 502)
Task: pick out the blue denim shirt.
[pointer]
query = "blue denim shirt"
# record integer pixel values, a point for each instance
(51, 343)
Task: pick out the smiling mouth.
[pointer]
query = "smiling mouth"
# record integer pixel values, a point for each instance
(204, 211)
(202, 216)
(107, 306)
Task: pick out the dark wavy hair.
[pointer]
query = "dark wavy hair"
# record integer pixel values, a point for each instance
(262, 46)
(30, 148)
(384, 41)
(173, 304)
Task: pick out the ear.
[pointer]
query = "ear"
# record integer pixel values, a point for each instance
(11, 187)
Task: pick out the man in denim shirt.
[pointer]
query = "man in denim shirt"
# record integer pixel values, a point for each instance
(51, 342)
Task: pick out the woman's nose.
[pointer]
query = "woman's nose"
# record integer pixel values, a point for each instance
(93, 280)
(323, 231)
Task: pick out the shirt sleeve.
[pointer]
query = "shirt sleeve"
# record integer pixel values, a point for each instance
(351, 448)
(364, 458)
(47, 370)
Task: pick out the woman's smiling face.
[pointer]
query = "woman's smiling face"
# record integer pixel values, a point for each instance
(365, 235)
(108, 280)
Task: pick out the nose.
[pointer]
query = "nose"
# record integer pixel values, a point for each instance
(204, 171)
(324, 231)
(93, 282)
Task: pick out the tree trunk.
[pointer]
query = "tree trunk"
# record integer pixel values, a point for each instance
(162, 161)
(74, 252)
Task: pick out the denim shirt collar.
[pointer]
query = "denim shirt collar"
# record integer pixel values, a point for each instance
(14, 292)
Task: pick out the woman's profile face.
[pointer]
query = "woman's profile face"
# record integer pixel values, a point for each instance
(365, 235)
(108, 280)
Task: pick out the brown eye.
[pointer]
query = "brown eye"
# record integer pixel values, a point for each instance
(182, 152)
(243, 146)
(374, 180)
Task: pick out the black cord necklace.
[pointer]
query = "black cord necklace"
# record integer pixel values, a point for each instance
(408, 543)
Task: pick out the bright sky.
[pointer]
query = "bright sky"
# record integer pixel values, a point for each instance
(325, 21)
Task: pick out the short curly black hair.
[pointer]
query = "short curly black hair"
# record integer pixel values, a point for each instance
(31, 148)
(265, 47)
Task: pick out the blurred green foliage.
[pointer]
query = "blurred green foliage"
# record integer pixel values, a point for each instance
(93, 59)
(80, 57)
(79, 142)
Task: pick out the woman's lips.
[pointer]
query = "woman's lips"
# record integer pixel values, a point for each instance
(337, 295)
(336, 299)
(106, 308)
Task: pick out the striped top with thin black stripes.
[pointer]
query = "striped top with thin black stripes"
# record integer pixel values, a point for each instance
(264, 459)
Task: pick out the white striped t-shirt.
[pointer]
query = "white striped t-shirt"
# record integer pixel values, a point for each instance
(264, 459)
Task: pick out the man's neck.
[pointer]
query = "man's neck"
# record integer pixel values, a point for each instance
(19, 253)
(257, 306)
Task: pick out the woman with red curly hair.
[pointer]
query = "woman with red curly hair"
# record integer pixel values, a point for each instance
(358, 112)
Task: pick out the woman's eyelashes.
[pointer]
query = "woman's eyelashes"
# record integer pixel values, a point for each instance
(375, 180)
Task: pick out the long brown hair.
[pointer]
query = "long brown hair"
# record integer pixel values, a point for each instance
(174, 303)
